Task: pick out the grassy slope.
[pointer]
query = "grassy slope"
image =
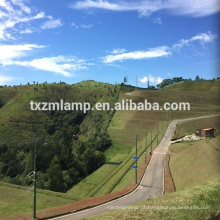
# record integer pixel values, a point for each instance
(123, 128)
(126, 124)
(18, 121)
(14, 201)
(189, 127)
(194, 86)
(166, 206)
(195, 163)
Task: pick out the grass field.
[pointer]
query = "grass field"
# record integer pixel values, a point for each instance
(14, 201)
(210, 85)
(195, 163)
(200, 202)
(189, 127)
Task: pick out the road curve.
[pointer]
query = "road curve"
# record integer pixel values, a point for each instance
(152, 183)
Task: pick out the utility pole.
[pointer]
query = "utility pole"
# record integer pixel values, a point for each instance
(157, 134)
(136, 163)
(136, 83)
(151, 143)
(35, 170)
(162, 129)
(146, 149)
(200, 98)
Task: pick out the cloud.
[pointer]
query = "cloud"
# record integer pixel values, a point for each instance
(157, 20)
(52, 24)
(60, 64)
(27, 31)
(85, 26)
(118, 51)
(155, 80)
(15, 54)
(159, 80)
(192, 8)
(163, 51)
(11, 52)
(13, 13)
(137, 55)
(150, 78)
(143, 80)
(98, 4)
(202, 38)
(5, 79)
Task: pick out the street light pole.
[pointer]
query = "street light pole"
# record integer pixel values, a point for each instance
(146, 149)
(136, 163)
(35, 170)
(151, 143)
(157, 134)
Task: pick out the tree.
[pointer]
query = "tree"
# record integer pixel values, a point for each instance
(93, 160)
(197, 78)
(55, 176)
(1, 103)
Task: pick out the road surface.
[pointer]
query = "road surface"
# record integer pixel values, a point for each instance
(152, 183)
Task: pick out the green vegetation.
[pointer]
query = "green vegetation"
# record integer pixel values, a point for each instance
(197, 163)
(208, 85)
(189, 127)
(126, 124)
(99, 159)
(200, 202)
(17, 201)
(123, 128)
(181, 146)
(70, 143)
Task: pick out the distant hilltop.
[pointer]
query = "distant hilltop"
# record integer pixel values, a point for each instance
(206, 85)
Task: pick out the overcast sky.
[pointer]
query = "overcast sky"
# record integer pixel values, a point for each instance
(106, 40)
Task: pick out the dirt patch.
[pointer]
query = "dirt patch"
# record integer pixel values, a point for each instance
(169, 184)
(86, 203)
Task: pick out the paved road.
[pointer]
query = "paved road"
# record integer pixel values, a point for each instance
(151, 185)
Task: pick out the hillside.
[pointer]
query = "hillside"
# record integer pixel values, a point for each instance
(16, 200)
(209, 85)
(199, 202)
(72, 159)
(125, 125)
(193, 163)
(189, 127)
(115, 146)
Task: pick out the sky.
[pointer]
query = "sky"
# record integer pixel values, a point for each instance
(107, 40)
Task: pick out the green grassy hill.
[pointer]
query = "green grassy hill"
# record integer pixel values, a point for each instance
(122, 126)
(126, 124)
(189, 127)
(195, 162)
(199, 202)
(210, 85)
(75, 159)
(16, 200)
